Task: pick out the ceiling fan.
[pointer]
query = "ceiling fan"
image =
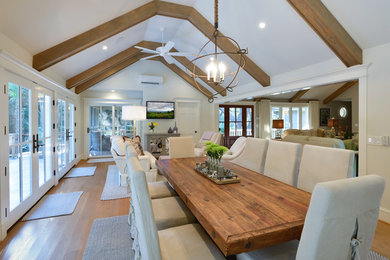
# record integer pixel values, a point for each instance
(163, 51)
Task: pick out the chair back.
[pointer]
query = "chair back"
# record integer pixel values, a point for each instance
(146, 231)
(341, 210)
(254, 154)
(130, 151)
(282, 161)
(181, 147)
(321, 164)
(236, 149)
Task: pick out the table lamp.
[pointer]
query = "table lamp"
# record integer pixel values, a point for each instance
(134, 113)
(332, 122)
(278, 124)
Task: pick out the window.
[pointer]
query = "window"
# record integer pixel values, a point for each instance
(295, 116)
(343, 112)
(239, 122)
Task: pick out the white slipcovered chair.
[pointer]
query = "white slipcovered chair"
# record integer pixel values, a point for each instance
(253, 155)
(157, 189)
(282, 161)
(200, 147)
(340, 223)
(147, 161)
(235, 150)
(168, 212)
(181, 242)
(319, 164)
(180, 147)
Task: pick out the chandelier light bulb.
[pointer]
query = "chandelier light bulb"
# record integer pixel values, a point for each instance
(222, 69)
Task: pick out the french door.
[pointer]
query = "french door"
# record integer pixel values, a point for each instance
(65, 135)
(105, 121)
(29, 168)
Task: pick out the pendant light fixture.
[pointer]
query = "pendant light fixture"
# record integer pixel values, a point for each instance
(217, 73)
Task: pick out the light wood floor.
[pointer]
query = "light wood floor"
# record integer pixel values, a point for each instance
(65, 237)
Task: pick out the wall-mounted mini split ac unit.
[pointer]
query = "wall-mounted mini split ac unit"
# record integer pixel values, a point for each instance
(150, 80)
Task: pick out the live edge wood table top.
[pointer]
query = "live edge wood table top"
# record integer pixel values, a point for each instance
(255, 213)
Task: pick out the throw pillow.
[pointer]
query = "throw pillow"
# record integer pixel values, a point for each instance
(320, 132)
(137, 146)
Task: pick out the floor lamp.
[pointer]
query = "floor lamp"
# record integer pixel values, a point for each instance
(134, 113)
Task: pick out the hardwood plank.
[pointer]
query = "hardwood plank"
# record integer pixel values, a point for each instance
(82, 41)
(64, 237)
(339, 91)
(186, 77)
(93, 36)
(108, 63)
(109, 72)
(298, 95)
(240, 217)
(381, 243)
(321, 20)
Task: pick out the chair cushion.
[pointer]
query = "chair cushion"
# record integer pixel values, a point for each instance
(160, 189)
(253, 155)
(171, 212)
(187, 242)
(118, 145)
(285, 251)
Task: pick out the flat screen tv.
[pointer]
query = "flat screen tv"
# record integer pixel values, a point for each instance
(160, 110)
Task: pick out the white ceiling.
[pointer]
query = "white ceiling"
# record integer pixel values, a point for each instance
(319, 93)
(286, 44)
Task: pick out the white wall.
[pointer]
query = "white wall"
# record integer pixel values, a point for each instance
(126, 86)
(378, 123)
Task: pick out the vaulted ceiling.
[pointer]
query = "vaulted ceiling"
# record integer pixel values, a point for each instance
(287, 43)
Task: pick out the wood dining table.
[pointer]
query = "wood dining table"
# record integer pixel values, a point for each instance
(257, 212)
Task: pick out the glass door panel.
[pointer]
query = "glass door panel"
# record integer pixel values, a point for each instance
(100, 130)
(44, 138)
(20, 144)
(70, 133)
(61, 135)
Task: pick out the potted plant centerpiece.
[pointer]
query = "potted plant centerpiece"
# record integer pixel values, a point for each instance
(152, 125)
(214, 153)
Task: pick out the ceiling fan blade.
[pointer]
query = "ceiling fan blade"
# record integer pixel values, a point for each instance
(169, 59)
(149, 57)
(179, 54)
(145, 50)
(168, 46)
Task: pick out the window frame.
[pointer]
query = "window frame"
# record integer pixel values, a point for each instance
(280, 106)
(243, 119)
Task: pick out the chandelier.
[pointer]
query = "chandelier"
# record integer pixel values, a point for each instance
(217, 73)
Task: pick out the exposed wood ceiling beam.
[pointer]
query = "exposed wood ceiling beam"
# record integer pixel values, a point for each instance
(298, 95)
(339, 91)
(186, 77)
(100, 68)
(89, 38)
(258, 99)
(189, 65)
(321, 20)
(131, 60)
(109, 72)
(108, 63)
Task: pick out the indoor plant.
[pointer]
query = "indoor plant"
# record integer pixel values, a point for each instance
(152, 125)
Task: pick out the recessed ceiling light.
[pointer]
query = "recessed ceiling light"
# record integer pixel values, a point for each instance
(262, 25)
(104, 48)
(112, 90)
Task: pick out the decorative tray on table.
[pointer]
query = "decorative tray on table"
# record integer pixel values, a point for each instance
(219, 175)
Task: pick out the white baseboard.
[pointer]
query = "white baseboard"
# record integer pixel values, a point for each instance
(384, 215)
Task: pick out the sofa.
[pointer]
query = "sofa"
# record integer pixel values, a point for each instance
(314, 140)
(147, 161)
(200, 147)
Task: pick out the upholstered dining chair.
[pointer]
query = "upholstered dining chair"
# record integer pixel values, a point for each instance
(340, 223)
(282, 161)
(253, 155)
(157, 189)
(319, 164)
(181, 242)
(235, 150)
(168, 212)
(181, 147)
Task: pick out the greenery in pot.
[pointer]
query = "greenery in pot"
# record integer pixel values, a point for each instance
(215, 151)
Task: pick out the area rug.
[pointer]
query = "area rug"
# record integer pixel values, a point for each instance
(109, 238)
(54, 205)
(81, 172)
(375, 256)
(112, 189)
(101, 160)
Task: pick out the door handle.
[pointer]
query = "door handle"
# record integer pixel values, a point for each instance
(35, 137)
(87, 130)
